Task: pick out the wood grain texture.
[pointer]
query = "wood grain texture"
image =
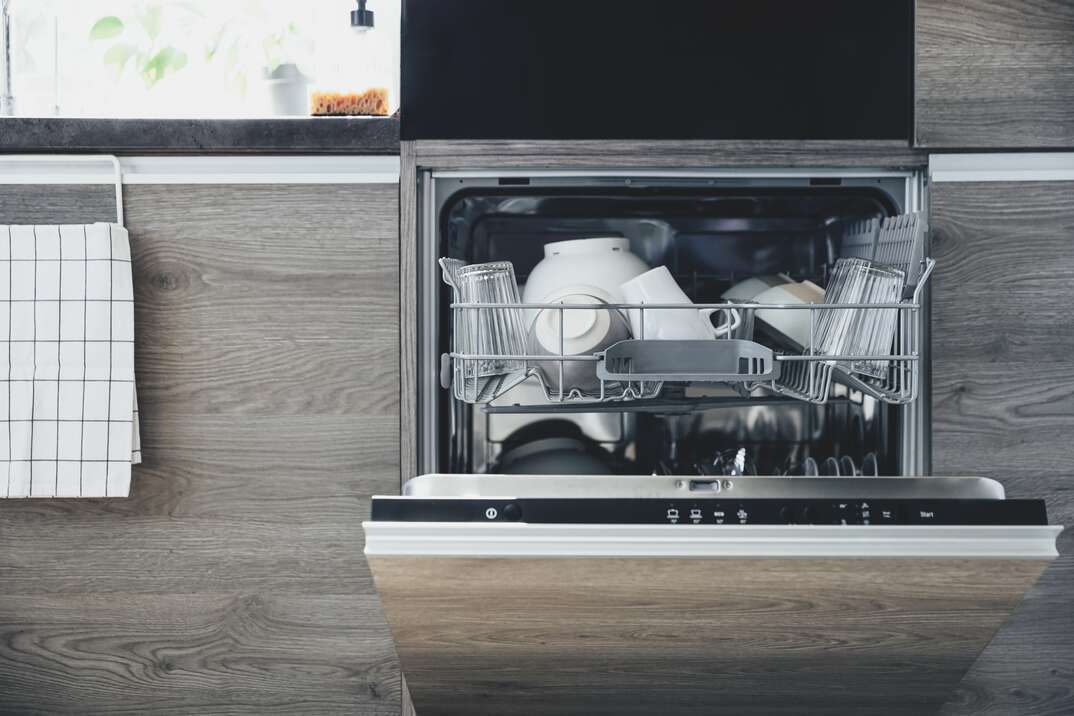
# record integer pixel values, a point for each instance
(408, 333)
(302, 263)
(1005, 265)
(57, 204)
(547, 154)
(994, 74)
(1002, 326)
(1003, 406)
(232, 580)
(190, 653)
(408, 308)
(408, 337)
(691, 636)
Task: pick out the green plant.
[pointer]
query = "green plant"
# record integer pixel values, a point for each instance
(137, 42)
(253, 41)
(278, 46)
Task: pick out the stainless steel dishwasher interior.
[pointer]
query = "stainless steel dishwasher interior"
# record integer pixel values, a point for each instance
(711, 232)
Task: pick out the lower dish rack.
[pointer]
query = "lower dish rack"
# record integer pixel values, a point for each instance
(638, 369)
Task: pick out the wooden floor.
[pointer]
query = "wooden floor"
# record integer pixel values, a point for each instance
(232, 580)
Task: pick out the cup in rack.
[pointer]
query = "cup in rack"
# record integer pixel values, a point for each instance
(497, 334)
(862, 331)
(658, 286)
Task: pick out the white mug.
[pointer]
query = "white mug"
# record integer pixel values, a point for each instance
(659, 286)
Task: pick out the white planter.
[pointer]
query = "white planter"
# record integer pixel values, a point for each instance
(288, 91)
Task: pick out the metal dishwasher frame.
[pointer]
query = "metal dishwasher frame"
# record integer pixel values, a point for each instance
(906, 187)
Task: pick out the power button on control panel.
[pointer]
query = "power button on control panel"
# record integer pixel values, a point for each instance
(511, 512)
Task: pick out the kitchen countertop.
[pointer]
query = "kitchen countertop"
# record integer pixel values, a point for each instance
(300, 135)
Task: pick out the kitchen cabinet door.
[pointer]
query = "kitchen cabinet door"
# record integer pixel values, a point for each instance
(1002, 231)
(994, 74)
(267, 359)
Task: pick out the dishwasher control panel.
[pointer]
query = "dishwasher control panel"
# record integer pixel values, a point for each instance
(768, 511)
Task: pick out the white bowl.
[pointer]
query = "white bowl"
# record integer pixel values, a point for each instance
(750, 288)
(604, 263)
(792, 323)
(585, 332)
(584, 329)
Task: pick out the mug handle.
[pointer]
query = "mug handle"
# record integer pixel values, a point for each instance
(724, 329)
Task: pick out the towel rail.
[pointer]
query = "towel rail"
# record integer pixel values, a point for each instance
(117, 169)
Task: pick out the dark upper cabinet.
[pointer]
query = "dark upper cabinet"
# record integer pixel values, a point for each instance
(638, 69)
(994, 74)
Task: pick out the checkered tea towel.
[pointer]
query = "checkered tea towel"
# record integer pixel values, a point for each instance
(69, 424)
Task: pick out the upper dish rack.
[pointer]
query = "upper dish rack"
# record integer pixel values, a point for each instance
(637, 369)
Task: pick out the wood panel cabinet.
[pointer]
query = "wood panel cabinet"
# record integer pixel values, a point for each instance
(628, 635)
(1003, 405)
(994, 74)
(232, 580)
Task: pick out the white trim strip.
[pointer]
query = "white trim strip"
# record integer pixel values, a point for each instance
(1030, 166)
(626, 173)
(73, 169)
(462, 539)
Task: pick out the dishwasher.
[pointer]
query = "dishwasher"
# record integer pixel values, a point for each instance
(734, 519)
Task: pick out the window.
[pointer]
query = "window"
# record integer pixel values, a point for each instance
(195, 58)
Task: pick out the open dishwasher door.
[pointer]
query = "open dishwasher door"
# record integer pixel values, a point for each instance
(651, 595)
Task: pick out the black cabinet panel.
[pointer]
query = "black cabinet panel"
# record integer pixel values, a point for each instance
(686, 69)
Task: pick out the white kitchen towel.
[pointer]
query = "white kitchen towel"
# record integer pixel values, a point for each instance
(67, 390)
